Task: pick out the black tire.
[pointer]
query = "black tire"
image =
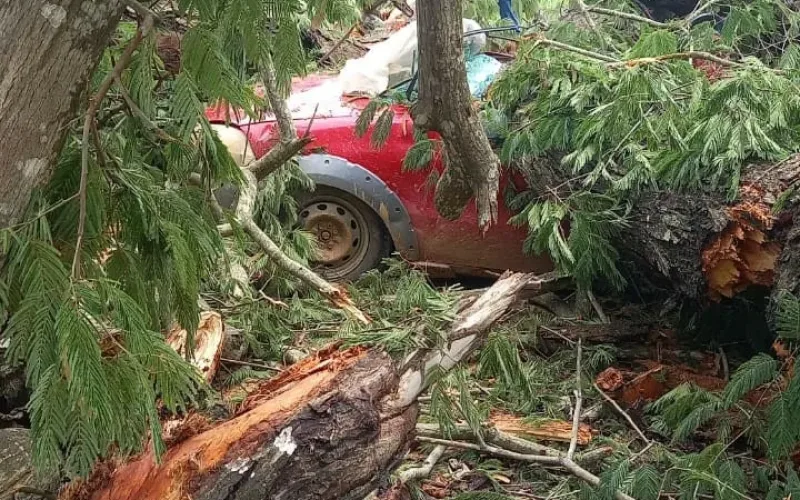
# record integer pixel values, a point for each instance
(342, 218)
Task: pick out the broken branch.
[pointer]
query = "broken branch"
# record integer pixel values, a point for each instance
(626, 15)
(623, 413)
(244, 211)
(277, 156)
(564, 462)
(540, 40)
(426, 468)
(576, 417)
(465, 336)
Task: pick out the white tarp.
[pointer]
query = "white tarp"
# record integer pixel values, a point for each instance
(391, 60)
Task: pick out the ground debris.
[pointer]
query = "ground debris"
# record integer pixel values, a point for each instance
(542, 430)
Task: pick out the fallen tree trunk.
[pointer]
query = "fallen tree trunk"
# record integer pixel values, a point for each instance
(332, 426)
(705, 246)
(701, 245)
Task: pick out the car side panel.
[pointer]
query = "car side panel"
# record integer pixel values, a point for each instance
(458, 244)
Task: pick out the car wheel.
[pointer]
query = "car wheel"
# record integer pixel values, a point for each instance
(351, 238)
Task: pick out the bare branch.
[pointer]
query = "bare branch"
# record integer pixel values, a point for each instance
(564, 462)
(244, 211)
(339, 43)
(426, 468)
(540, 40)
(276, 102)
(693, 54)
(466, 334)
(576, 417)
(623, 413)
(627, 15)
(94, 104)
(277, 156)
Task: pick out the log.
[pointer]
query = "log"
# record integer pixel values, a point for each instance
(332, 426)
(701, 245)
(706, 247)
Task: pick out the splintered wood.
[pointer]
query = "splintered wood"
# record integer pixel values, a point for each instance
(208, 342)
(232, 442)
(330, 426)
(742, 255)
(545, 430)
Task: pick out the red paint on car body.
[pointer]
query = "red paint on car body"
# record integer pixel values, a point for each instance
(458, 244)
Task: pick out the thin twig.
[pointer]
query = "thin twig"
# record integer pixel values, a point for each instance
(426, 468)
(576, 417)
(726, 372)
(627, 15)
(571, 48)
(597, 308)
(94, 104)
(692, 54)
(252, 365)
(136, 110)
(142, 10)
(623, 413)
(339, 43)
(564, 462)
(592, 25)
(311, 122)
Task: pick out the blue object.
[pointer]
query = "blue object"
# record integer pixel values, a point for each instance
(482, 70)
(507, 12)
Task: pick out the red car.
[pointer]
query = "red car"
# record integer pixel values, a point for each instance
(365, 206)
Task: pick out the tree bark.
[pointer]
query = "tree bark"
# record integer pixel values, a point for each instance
(445, 106)
(49, 50)
(332, 426)
(705, 246)
(18, 480)
(701, 245)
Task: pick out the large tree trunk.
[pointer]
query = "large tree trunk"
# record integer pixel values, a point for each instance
(701, 245)
(48, 51)
(705, 246)
(331, 427)
(472, 169)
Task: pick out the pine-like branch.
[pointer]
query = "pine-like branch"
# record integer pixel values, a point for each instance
(94, 104)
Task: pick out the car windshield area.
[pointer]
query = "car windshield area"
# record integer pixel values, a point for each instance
(482, 71)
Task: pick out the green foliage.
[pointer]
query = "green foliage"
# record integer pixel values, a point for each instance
(588, 251)
(768, 421)
(95, 361)
(750, 375)
(422, 153)
(608, 132)
(92, 360)
(382, 128)
(788, 317)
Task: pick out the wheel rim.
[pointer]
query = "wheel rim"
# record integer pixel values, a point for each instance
(341, 234)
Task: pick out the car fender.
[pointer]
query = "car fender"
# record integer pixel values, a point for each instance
(338, 173)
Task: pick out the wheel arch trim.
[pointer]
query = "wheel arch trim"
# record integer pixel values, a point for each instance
(341, 174)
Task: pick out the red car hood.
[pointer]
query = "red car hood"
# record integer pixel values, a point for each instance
(317, 95)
